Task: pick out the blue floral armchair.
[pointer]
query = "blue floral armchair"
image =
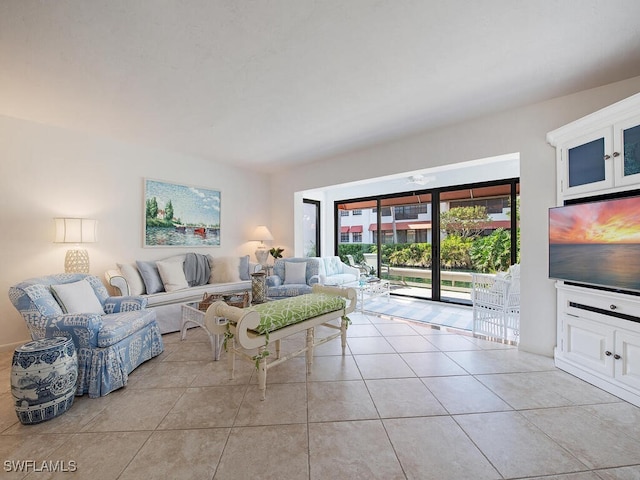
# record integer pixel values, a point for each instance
(280, 285)
(109, 345)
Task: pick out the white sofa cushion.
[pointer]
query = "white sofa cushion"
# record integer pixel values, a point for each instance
(195, 294)
(132, 276)
(340, 279)
(224, 269)
(172, 275)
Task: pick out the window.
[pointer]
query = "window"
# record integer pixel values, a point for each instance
(357, 237)
(344, 237)
(493, 205)
(356, 212)
(311, 225)
(386, 211)
(409, 212)
(344, 213)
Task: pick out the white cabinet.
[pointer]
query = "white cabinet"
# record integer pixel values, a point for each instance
(627, 358)
(599, 339)
(599, 153)
(585, 342)
(626, 152)
(598, 331)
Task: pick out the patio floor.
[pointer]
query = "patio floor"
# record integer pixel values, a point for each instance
(436, 313)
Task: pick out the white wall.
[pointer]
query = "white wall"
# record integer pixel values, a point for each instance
(47, 172)
(480, 170)
(520, 130)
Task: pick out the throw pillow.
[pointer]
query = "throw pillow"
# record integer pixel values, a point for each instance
(224, 269)
(244, 268)
(150, 276)
(172, 275)
(132, 276)
(295, 273)
(77, 297)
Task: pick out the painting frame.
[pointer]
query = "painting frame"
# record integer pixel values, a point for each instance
(180, 215)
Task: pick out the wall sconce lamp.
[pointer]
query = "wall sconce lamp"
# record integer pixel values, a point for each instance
(76, 230)
(262, 234)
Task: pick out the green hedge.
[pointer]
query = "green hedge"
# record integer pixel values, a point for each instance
(482, 254)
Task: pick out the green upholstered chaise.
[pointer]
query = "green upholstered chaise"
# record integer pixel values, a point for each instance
(265, 324)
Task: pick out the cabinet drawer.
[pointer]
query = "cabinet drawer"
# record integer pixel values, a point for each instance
(594, 305)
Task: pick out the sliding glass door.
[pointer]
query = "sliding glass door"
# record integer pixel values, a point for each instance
(429, 243)
(405, 233)
(355, 238)
(476, 226)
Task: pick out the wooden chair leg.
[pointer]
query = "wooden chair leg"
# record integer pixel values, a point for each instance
(343, 334)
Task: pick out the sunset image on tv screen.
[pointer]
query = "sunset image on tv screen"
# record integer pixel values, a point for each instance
(596, 243)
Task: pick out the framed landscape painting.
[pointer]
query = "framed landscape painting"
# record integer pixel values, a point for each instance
(180, 215)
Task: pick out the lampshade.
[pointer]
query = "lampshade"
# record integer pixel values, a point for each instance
(261, 233)
(76, 230)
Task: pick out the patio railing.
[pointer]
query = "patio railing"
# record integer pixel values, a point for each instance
(457, 281)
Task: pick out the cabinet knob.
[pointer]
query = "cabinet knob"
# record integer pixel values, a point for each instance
(612, 307)
(607, 353)
(607, 157)
(616, 154)
(617, 357)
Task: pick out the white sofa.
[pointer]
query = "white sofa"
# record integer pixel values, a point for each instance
(166, 290)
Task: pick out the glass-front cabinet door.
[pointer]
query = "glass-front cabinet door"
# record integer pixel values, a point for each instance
(627, 151)
(587, 164)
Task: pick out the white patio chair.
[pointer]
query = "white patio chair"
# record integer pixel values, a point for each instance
(496, 304)
(363, 268)
(371, 259)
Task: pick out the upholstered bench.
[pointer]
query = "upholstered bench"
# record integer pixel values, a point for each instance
(259, 325)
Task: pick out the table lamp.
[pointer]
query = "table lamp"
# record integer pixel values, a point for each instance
(76, 230)
(262, 234)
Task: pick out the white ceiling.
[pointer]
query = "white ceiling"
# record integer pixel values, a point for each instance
(260, 83)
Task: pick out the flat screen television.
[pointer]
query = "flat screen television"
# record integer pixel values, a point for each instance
(597, 243)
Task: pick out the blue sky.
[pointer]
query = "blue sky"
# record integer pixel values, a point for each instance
(192, 205)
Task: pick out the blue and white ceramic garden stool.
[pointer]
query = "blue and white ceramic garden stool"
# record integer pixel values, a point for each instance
(43, 379)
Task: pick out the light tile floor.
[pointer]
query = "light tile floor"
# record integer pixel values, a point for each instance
(407, 401)
(450, 315)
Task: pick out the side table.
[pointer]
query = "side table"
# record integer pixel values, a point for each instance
(371, 290)
(43, 379)
(192, 314)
